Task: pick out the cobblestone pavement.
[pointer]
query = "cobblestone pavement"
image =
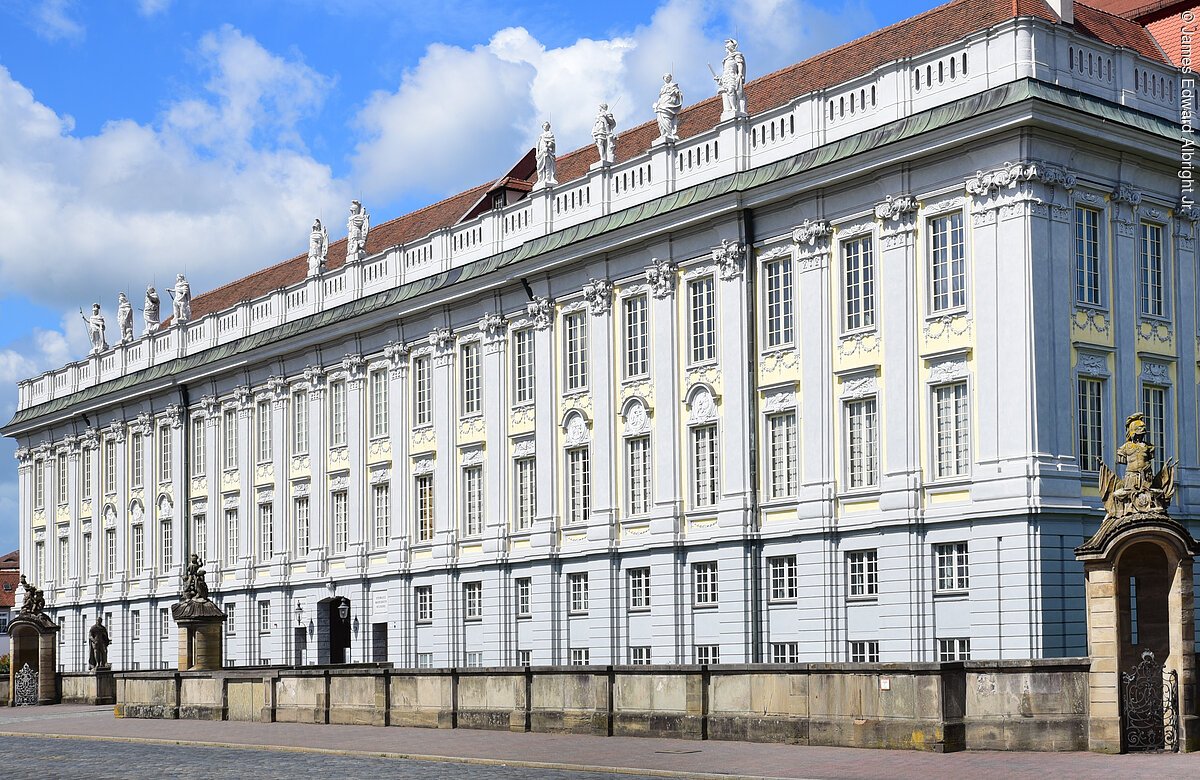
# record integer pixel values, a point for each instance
(131, 749)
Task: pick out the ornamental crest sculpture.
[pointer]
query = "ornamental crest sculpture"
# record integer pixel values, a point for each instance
(661, 277)
(728, 257)
(598, 294)
(540, 311)
(1141, 490)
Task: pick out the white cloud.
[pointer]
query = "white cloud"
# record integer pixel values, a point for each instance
(152, 7)
(53, 20)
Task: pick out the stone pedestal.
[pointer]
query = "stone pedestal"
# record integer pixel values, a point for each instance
(33, 667)
(201, 631)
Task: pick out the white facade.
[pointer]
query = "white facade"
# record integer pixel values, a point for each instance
(826, 407)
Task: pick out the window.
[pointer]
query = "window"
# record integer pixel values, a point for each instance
(784, 582)
(637, 337)
(952, 562)
(704, 584)
(472, 600)
(110, 553)
(952, 429)
(300, 516)
(164, 623)
(708, 654)
(948, 267)
(576, 348)
(524, 597)
(579, 487)
(862, 574)
(864, 652)
(639, 656)
(263, 443)
(64, 559)
(424, 660)
(60, 477)
(231, 536)
(379, 403)
(137, 460)
(197, 442)
(423, 595)
(577, 590)
(110, 469)
(200, 536)
(300, 422)
(264, 617)
(380, 509)
(862, 443)
(705, 482)
(639, 589)
(1154, 411)
(781, 454)
(337, 414)
(164, 453)
(341, 520)
(472, 487)
(785, 652)
(1087, 256)
(138, 542)
(474, 659)
(702, 322)
(472, 390)
(166, 557)
(580, 656)
(523, 366)
(88, 566)
(39, 483)
(637, 466)
(230, 619)
(1150, 256)
(229, 432)
(422, 408)
(780, 319)
(266, 532)
(424, 500)
(526, 493)
(859, 262)
(524, 658)
(85, 482)
(957, 649)
(1091, 424)
(135, 625)
(39, 561)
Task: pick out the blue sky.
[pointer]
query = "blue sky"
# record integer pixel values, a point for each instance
(141, 138)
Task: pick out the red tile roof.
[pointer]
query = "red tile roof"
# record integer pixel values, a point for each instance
(938, 27)
(1136, 9)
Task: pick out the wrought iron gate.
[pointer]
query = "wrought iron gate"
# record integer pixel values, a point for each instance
(1150, 706)
(25, 691)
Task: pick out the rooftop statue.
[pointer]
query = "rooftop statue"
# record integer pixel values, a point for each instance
(731, 84)
(357, 227)
(667, 108)
(125, 318)
(181, 297)
(150, 310)
(98, 642)
(604, 136)
(318, 248)
(95, 327)
(544, 152)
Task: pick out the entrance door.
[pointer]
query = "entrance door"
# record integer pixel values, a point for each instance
(301, 644)
(339, 630)
(1148, 692)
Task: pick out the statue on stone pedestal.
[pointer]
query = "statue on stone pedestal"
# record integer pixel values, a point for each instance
(667, 108)
(731, 84)
(1141, 490)
(546, 162)
(194, 586)
(95, 326)
(181, 298)
(29, 604)
(98, 642)
(125, 318)
(357, 227)
(150, 310)
(604, 136)
(318, 248)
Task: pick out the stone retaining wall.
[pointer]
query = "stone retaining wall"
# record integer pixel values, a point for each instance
(987, 705)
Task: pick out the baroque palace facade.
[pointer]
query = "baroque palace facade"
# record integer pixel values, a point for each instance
(828, 381)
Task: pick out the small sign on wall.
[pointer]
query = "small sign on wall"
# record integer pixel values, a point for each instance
(379, 606)
(885, 683)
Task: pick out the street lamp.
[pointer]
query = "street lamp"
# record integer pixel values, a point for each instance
(344, 608)
(299, 614)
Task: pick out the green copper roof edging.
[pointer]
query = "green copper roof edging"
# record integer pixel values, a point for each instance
(931, 119)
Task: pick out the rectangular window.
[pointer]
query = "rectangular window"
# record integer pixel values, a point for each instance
(785, 652)
(164, 453)
(1087, 256)
(952, 567)
(862, 574)
(110, 553)
(137, 460)
(264, 617)
(1154, 411)
(639, 589)
(1151, 279)
(780, 317)
(39, 561)
(166, 541)
(339, 508)
(580, 656)
(300, 516)
(472, 380)
(197, 442)
(579, 485)
(423, 496)
(637, 466)
(781, 452)
(637, 337)
(472, 498)
(864, 652)
(947, 263)
(88, 565)
(200, 536)
(85, 472)
(704, 584)
(705, 477)
(379, 403)
(266, 532)
(526, 493)
(702, 321)
(862, 443)
(229, 435)
(300, 422)
(230, 619)
(164, 623)
(472, 600)
(523, 366)
(474, 659)
(524, 597)
(424, 660)
(39, 484)
(524, 658)
(859, 262)
(423, 595)
(135, 625)
(337, 414)
(138, 542)
(640, 656)
(60, 477)
(785, 584)
(577, 587)
(381, 497)
(1091, 423)
(64, 559)
(422, 407)
(952, 429)
(110, 469)
(957, 649)
(575, 345)
(231, 536)
(708, 654)
(263, 443)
